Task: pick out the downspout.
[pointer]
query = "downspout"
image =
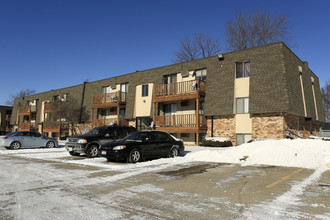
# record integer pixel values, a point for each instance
(212, 126)
(82, 100)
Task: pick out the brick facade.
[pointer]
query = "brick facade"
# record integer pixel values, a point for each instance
(223, 126)
(267, 126)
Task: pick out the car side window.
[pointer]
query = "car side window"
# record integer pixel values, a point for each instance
(20, 134)
(36, 135)
(152, 137)
(121, 133)
(163, 137)
(111, 132)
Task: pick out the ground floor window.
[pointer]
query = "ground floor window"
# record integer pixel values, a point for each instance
(143, 123)
(243, 138)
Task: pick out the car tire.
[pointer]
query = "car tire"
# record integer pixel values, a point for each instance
(174, 152)
(109, 159)
(134, 156)
(15, 145)
(92, 151)
(72, 153)
(50, 144)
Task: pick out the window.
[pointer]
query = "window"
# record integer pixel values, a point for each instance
(184, 135)
(105, 89)
(201, 74)
(243, 138)
(124, 87)
(56, 98)
(168, 79)
(243, 69)
(66, 96)
(145, 90)
(242, 105)
(163, 137)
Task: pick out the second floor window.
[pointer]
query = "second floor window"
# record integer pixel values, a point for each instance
(145, 90)
(56, 98)
(243, 69)
(201, 74)
(242, 105)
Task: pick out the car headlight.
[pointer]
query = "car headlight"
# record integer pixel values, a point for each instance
(82, 141)
(120, 147)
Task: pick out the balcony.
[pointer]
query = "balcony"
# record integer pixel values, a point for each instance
(103, 122)
(179, 91)
(180, 123)
(26, 126)
(27, 110)
(109, 99)
(55, 126)
(51, 107)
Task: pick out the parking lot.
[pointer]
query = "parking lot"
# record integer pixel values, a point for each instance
(51, 184)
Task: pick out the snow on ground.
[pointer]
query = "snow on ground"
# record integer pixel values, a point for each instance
(311, 154)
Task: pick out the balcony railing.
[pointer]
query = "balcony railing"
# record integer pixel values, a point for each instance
(27, 109)
(51, 106)
(54, 125)
(188, 120)
(26, 126)
(113, 97)
(103, 122)
(179, 88)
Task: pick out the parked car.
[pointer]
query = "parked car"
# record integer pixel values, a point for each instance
(26, 139)
(142, 145)
(90, 143)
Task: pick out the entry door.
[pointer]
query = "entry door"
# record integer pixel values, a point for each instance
(170, 80)
(124, 90)
(169, 111)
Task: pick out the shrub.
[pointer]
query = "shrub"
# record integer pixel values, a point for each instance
(217, 142)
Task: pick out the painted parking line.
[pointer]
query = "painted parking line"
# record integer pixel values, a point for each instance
(284, 178)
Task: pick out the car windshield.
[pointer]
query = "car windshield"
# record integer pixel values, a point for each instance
(136, 136)
(96, 131)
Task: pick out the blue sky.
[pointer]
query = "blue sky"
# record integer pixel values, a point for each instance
(51, 44)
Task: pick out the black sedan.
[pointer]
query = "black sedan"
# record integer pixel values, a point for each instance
(142, 145)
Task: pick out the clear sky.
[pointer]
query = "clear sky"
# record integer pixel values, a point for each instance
(52, 44)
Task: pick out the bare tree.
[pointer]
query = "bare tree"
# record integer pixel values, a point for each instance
(21, 94)
(256, 29)
(200, 46)
(325, 92)
(70, 112)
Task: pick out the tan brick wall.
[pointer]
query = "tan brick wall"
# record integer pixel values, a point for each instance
(223, 126)
(291, 123)
(267, 126)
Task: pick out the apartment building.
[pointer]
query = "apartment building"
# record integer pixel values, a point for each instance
(5, 115)
(261, 92)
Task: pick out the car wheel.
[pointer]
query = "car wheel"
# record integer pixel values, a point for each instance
(92, 151)
(50, 144)
(174, 152)
(72, 153)
(134, 156)
(15, 145)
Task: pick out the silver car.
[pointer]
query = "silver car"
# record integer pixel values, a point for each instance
(26, 139)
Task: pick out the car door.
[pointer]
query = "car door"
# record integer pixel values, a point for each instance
(164, 144)
(26, 139)
(149, 145)
(108, 135)
(37, 140)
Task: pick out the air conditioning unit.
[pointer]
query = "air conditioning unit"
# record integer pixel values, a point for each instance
(220, 56)
(185, 73)
(300, 69)
(113, 86)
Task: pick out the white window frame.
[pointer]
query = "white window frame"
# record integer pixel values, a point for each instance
(245, 105)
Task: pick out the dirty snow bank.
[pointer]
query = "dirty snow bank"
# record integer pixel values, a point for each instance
(304, 153)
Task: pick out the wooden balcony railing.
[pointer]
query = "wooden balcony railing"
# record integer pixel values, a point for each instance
(113, 97)
(51, 106)
(188, 120)
(103, 122)
(27, 109)
(180, 88)
(54, 125)
(26, 126)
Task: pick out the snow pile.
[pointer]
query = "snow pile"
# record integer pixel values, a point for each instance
(292, 153)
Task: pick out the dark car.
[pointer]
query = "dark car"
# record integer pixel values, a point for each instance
(26, 139)
(142, 145)
(90, 143)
